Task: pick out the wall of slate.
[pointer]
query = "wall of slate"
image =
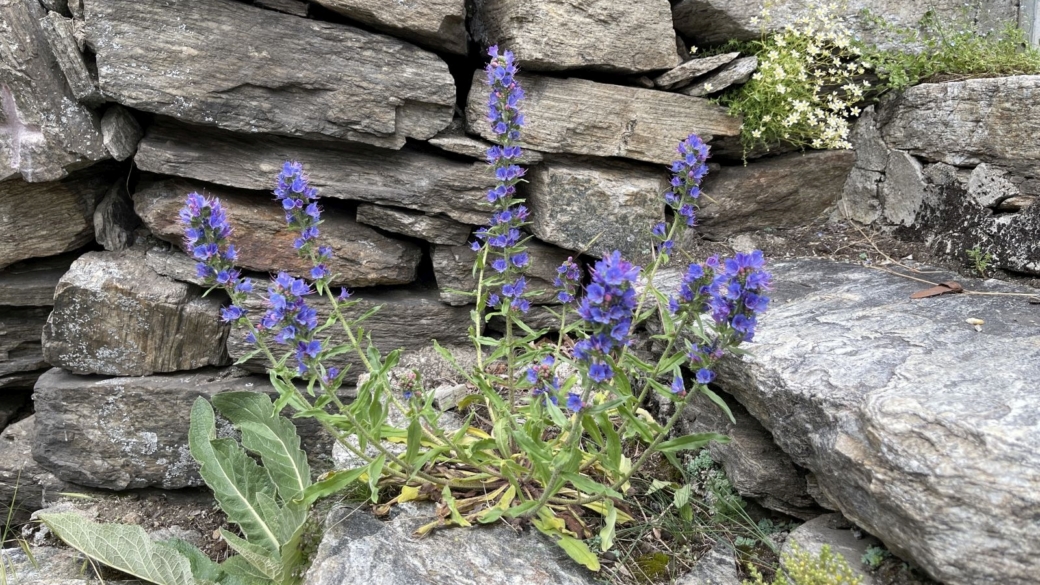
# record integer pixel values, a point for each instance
(113, 110)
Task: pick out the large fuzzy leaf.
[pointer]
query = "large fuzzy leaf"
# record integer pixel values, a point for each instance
(269, 435)
(123, 547)
(233, 476)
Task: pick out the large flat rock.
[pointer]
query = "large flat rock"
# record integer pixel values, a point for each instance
(21, 355)
(578, 116)
(114, 315)
(781, 192)
(357, 547)
(550, 35)
(24, 485)
(403, 178)
(596, 206)
(716, 21)
(239, 67)
(437, 24)
(361, 255)
(44, 219)
(919, 428)
(32, 283)
(124, 433)
(435, 229)
(44, 130)
(964, 123)
(408, 319)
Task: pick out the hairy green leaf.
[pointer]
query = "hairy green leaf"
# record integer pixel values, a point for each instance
(123, 547)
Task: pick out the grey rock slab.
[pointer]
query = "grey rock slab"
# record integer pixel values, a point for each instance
(716, 567)
(357, 547)
(989, 186)
(357, 172)
(114, 315)
(44, 131)
(903, 190)
(553, 35)
(432, 228)
(919, 428)
(58, 31)
(735, 73)
(784, 191)
(44, 219)
(302, 77)
(115, 220)
(171, 262)
(871, 150)
(436, 24)
(754, 465)
(361, 255)
(453, 269)
(964, 123)
(596, 206)
(578, 116)
(832, 530)
(693, 68)
(716, 21)
(127, 432)
(294, 7)
(408, 319)
(120, 132)
(21, 356)
(455, 141)
(32, 283)
(860, 197)
(24, 486)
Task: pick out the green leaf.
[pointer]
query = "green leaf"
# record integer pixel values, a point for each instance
(123, 547)
(414, 440)
(590, 486)
(375, 471)
(720, 402)
(682, 495)
(202, 568)
(272, 437)
(232, 475)
(690, 442)
(606, 534)
(579, 551)
(255, 555)
(334, 482)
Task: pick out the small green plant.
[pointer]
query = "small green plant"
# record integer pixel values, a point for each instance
(265, 501)
(980, 260)
(803, 568)
(943, 47)
(874, 556)
(807, 85)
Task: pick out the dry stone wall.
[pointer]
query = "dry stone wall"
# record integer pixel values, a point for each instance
(111, 111)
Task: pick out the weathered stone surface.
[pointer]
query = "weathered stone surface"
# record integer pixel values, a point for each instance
(105, 432)
(684, 73)
(584, 117)
(170, 261)
(24, 485)
(432, 228)
(454, 140)
(594, 206)
(436, 24)
(735, 73)
(359, 548)
(989, 186)
(399, 178)
(115, 220)
(68, 207)
(120, 132)
(903, 190)
(755, 466)
(44, 130)
(964, 123)
(21, 357)
(113, 315)
(785, 191)
(551, 35)
(361, 255)
(716, 21)
(919, 428)
(408, 319)
(453, 269)
(860, 196)
(871, 150)
(32, 283)
(294, 7)
(716, 567)
(58, 31)
(305, 78)
(832, 530)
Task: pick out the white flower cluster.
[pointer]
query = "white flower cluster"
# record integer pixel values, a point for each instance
(807, 83)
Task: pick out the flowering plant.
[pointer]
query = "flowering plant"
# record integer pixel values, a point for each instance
(567, 425)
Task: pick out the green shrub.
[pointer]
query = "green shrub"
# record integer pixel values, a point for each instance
(802, 568)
